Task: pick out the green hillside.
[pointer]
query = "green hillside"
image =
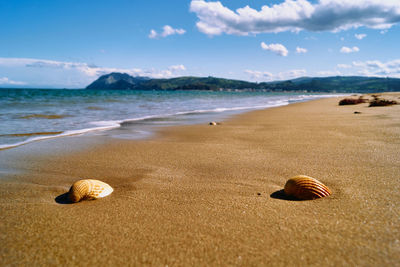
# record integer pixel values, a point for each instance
(346, 84)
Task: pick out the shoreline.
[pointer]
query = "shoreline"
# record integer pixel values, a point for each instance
(147, 122)
(72, 141)
(189, 195)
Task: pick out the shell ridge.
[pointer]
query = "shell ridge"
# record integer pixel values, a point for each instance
(305, 187)
(89, 189)
(316, 188)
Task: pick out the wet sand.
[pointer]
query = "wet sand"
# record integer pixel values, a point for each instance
(31, 134)
(210, 195)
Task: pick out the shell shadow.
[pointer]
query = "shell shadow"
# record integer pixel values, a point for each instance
(280, 194)
(63, 199)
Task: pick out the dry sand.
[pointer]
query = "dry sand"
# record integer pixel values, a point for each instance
(201, 195)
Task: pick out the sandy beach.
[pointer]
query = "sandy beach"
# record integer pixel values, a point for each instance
(210, 195)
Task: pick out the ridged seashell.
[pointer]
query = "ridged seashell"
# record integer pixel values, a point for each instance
(213, 123)
(89, 189)
(306, 188)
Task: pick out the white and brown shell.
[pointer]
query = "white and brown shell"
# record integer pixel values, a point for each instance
(89, 189)
(213, 123)
(306, 188)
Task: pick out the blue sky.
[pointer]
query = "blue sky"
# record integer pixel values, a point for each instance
(54, 43)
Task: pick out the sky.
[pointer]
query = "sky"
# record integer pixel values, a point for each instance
(69, 44)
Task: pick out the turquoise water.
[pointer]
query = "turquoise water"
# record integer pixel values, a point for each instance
(28, 115)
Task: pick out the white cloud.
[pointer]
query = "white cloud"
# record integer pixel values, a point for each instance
(177, 67)
(291, 15)
(74, 74)
(301, 50)
(171, 71)
(153, 34)
(377, 68)
(268, 76)
(88, 69)
(85, 68)
(7, 81)
(291, 74)
(259, 75)
(329, 73)
(343, 66)
(347, 50)
(278, 49)
(360, 36)
(167, 31)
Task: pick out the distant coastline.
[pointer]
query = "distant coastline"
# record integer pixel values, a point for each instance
(335, 84)
(332, 84)
(30, 115)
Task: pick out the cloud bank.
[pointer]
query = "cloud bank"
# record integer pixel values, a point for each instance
(88, 69)
(369, 68)
(6, 81)
(328, 73)
(374, 68)
(167, 31)
(377, 68)
(343, 66)
(265, 76)
(72, 74)
(291, 15)
(278, 49)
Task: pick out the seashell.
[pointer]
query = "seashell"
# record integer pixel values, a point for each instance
(89, 189)
(213, 123)
(306, 188)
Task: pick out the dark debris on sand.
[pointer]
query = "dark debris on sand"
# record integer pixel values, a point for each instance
(352, 101)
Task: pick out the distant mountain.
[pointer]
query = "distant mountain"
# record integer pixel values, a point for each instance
(117, 81)
(123, 81)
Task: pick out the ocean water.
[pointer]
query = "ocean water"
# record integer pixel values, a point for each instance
(30, 115)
